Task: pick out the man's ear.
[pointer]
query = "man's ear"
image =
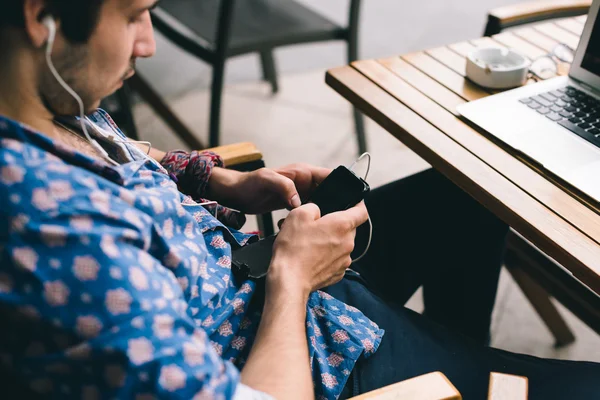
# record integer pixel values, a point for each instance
(34, 12)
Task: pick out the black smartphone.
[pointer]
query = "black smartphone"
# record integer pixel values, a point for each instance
(341, 190)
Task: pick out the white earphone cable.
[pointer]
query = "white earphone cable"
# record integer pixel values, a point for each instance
(144, 142)
(359, 159)
(368, 155)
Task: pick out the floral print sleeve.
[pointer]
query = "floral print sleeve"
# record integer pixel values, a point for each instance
(192, 170)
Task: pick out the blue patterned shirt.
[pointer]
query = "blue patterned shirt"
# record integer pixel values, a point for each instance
(115, 284)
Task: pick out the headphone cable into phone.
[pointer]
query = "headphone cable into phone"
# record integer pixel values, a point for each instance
(364, 155)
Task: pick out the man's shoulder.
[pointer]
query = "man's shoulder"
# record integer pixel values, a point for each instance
(32, 180)
(24, 162)
(21, 164)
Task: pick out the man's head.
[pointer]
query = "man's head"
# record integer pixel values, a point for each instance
(97, 43)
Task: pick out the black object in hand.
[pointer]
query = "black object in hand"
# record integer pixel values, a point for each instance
(340, 191)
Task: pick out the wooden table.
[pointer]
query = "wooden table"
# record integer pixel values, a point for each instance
(414, 97)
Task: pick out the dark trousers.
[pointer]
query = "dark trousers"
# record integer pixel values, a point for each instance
(426, 231)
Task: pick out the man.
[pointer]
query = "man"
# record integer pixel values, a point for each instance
(115, 280)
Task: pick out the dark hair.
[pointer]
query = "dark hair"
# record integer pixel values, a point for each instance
(78, 17)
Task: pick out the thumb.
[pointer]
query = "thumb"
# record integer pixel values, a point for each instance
(353, 217)
(287, 191)
(311, 211)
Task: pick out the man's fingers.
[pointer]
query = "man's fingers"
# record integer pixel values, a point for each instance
(319, 174)
(286, 188)
(309, 211)
(358, 214)
(305, 176)
(353, 217)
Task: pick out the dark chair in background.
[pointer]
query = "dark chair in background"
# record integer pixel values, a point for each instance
(216, 30)
(538, 276)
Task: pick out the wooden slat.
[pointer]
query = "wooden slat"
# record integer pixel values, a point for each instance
(511, 41)
(557, 33)
(462, 48)
(444, 75)
(450, 59)
(432, 89)
(536, 38)
(238, 153)
(582, 19)
(553, 235)
(571, 25)
(486, 42)
(508, 387)
(433, 386)
(529, 50)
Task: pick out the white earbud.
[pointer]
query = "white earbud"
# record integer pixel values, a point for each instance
(50, 23)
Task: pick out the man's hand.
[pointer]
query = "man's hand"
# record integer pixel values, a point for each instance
(312, 252)
(265, 190)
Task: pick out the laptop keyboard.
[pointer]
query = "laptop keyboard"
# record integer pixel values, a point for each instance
(570, 108)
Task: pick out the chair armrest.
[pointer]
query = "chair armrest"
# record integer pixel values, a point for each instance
(508, 387)
(534, 11)
(433, 386)
(238, 153)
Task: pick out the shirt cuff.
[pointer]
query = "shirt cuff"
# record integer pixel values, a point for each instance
(192, 170)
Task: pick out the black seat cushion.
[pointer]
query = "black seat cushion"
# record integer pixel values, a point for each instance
(257, 24)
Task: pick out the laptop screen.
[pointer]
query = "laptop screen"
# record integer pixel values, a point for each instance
(591, 59)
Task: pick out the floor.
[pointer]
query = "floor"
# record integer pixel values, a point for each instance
(308, 122)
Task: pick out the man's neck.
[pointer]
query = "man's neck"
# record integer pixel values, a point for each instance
(19, 97)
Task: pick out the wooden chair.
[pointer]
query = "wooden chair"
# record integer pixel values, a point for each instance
(507, 387)
(214, 31)
(435, 386)
(538, 276)
(530, 12)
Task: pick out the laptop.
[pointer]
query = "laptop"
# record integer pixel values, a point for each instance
(554, 123)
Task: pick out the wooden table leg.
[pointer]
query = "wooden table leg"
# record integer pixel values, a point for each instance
(538, 297)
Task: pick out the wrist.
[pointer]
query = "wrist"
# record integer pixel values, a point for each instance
(280, 284)
(278, 301)
(222, 183)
